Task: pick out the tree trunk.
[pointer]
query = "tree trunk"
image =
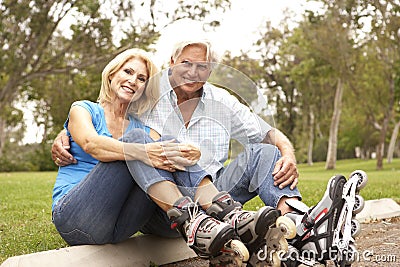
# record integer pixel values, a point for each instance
(2, 135)
(392, 143)
(310, 139)
(334, 128)
(385, 124)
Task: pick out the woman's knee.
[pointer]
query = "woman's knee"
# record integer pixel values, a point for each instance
(136, 136)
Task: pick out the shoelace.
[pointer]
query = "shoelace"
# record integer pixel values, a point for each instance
(195, 218)
(193, 209)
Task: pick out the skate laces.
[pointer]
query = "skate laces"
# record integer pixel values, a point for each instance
(192, 209)
(196, 218)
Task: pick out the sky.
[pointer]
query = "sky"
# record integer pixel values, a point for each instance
(238, 31)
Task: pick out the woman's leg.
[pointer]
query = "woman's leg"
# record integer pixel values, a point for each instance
(162, 186)
(107, 206)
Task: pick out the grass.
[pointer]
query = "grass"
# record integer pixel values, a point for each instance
(25, 214)
(313, 179)
(25, 201)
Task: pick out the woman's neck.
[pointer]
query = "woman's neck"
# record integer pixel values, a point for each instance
(116, 109)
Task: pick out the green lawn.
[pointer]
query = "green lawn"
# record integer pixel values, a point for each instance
(25, 201)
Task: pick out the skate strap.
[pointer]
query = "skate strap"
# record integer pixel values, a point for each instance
(297, 205)
(222, 205)
(194, 226)
(308, 221)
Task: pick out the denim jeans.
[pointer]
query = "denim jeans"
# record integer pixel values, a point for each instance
(249, 175)
(110, 204)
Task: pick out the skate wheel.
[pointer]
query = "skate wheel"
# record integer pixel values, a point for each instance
(359, 204)
(283, 246)
(240, 249)
(362, 178)
(287, 226)
(276, 260)
(355, 228)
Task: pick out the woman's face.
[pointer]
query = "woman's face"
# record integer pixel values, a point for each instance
(128, 82)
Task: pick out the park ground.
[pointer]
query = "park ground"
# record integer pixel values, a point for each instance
(377, 245)
(25, 210)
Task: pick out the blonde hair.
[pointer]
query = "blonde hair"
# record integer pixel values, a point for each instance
(152, 90)
(210, 53)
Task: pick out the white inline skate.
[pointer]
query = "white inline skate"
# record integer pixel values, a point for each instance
(327, 230)
(348, 227)
(209, 238)
(264, 232)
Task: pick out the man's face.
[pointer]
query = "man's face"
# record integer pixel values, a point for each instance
(190, 70)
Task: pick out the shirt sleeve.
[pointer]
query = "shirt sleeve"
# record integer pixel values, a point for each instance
(95, 112)
(247, 127)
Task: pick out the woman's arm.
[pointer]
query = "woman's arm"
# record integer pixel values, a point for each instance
(166, 155)
(100, 147)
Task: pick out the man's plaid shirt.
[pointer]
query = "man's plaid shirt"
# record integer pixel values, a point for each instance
(218, 117)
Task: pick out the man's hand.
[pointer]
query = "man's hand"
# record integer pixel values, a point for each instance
(286, 173)
(59, 150)
(170, 155)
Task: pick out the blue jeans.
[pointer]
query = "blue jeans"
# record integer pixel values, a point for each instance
(110, 204)
(249, 175)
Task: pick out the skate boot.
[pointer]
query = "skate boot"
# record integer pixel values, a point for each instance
(327, 231)
(209, 238)
(263, 232)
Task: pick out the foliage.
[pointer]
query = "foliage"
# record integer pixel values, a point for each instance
(28, 157)
(53, 52)
(62, 46)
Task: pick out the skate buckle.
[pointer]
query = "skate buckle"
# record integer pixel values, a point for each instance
(308, 221)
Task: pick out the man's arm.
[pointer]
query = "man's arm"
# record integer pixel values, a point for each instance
(285, 171)
(59, 150)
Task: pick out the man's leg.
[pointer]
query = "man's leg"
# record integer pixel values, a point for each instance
(250, 174)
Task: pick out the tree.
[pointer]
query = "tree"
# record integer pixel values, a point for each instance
(381, 51)
(396, 128)
(34, 47)
(58, 43)
(276, 79)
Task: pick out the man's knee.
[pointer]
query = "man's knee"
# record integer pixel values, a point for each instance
(266, 152)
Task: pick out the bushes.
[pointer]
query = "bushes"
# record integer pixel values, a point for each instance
(29, 157)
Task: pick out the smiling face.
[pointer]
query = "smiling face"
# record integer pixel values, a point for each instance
(190, 70)
(128, 82)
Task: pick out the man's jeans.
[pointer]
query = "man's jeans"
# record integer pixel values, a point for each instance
(249, 175)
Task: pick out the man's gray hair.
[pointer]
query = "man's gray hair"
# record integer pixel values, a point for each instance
(212, 56)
